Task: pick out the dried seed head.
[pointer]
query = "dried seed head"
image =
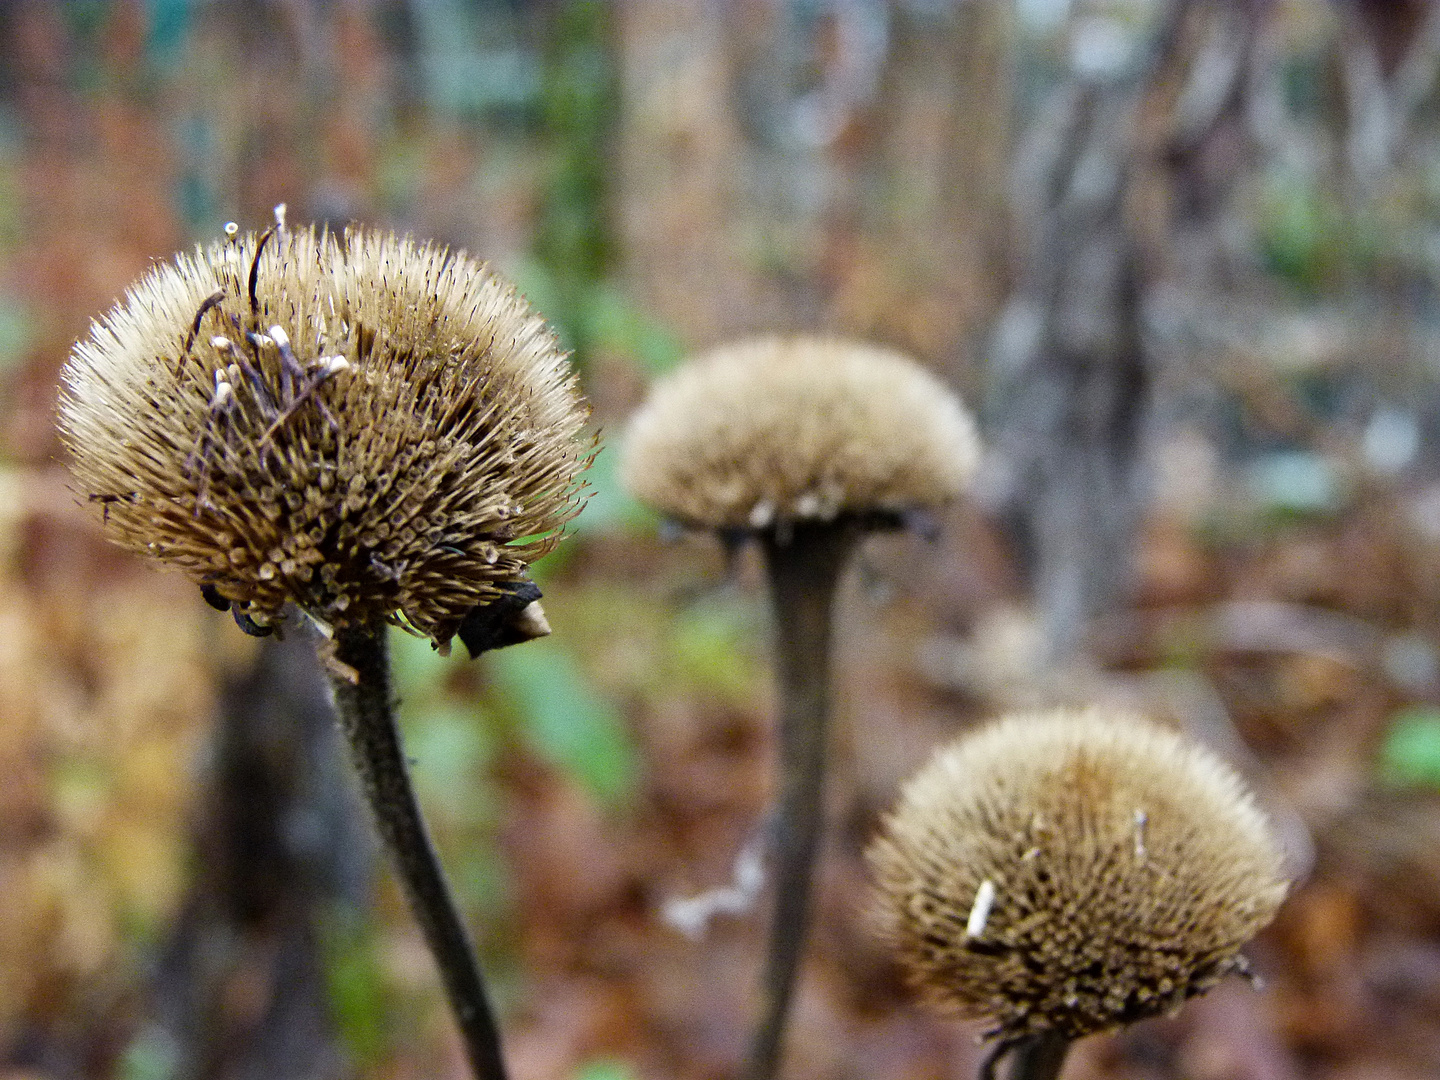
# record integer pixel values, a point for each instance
(1073, 871)
(367, 426)
(793, 429)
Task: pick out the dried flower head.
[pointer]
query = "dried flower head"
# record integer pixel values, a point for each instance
(797, 429)
(366, 426)
(1073, 871)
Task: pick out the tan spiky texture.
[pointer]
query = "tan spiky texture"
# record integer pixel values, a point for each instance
(422, 447)
(797, 429)
(1125, 865)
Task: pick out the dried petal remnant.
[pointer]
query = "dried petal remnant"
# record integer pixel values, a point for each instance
(796, 429)
(1119, 869)
(372, 428)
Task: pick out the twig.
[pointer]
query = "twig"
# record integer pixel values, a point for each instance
(804, 568)
(1032, 1057)
(367, 718)
(1039, 1057)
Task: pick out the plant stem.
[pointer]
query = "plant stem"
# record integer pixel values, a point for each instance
(1034, 1057)
(1039, 1057)
(804, 568)
(368, 720)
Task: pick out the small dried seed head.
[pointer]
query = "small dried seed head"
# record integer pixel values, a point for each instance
(372, 428)
(1073, 871)
(797, 429)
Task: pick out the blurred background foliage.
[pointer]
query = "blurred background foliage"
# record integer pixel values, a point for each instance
(1193, 246)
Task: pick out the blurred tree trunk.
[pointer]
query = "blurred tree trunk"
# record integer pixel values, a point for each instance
(943, 126)
(677, 195)
(239, 991)
(787, 166)
(1114, 179)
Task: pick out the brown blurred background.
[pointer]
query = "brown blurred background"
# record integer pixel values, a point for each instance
(1182, 257)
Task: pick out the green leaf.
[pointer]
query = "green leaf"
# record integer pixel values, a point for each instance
(613, 322)
(610, 505)
(482, 880)
(1410, 754)
(17, 331)
(566, 720)
(450, 747)
(417, 669)
(604, 1069)
(356, 986)
(713, 649)
(541, 288)
(152, 1055)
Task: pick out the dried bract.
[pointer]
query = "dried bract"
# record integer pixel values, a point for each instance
(1073, 871)
(797, 429)
(372, 428)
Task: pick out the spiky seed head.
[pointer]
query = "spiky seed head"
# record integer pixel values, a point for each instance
(370, 427)
(797, 429)
(1072, 871)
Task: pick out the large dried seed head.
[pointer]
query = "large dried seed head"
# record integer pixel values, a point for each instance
(1073, 871)
(371, 428)
(796, 429)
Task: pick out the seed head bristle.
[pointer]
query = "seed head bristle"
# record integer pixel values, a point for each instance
(797, 429)
(1072, 871)
(383, 430)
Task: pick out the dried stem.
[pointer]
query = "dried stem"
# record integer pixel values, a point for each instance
(1040, 1057)
(1033, 1057)
(804, 566)
(367, 718)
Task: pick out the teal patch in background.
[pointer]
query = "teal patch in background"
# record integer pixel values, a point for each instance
(168, 26)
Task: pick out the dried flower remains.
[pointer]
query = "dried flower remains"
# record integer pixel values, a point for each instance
(797, 429)
(372, 428)
(1073, 871)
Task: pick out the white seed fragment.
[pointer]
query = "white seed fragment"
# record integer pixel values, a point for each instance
(223, 390)
(808, 505)
(325, 629)
(980, 910)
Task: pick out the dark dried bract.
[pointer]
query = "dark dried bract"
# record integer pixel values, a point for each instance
(371, 428)
(1073, 871)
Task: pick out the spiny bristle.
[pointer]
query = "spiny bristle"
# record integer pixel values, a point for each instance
(1119, 867)
(796, 429)
(370, 427)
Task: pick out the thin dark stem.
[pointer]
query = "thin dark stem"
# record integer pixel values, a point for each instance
(366, 715)
(804, 567)
(1034, 1057)
(1040, 1057)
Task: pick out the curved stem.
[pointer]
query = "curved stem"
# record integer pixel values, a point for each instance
(367, 718)
(1039, 1057)
(1034, 1057)
(803, 567)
